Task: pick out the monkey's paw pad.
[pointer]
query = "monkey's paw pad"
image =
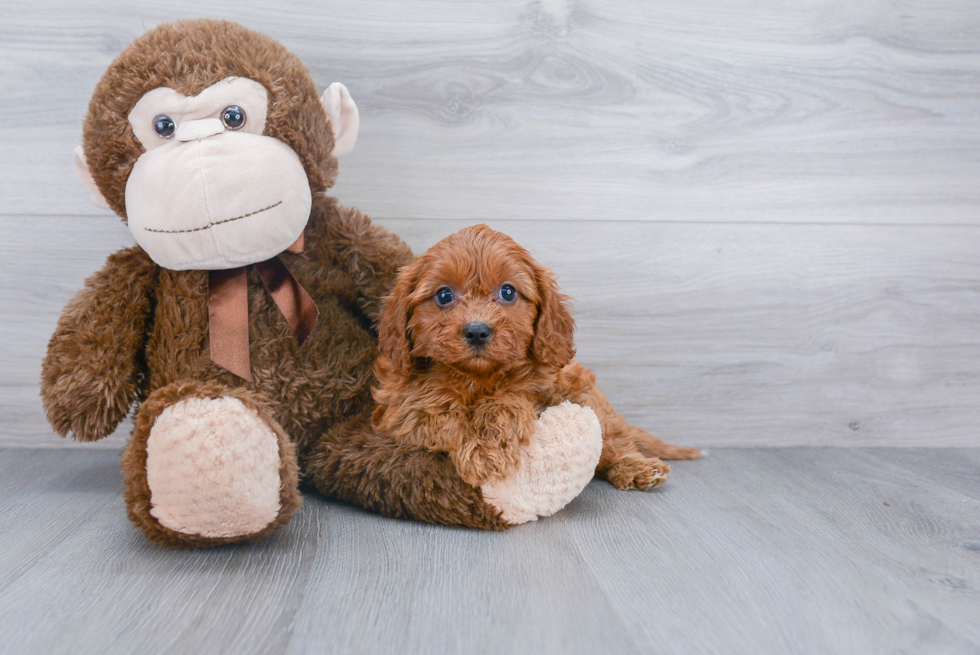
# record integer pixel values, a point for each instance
(555, 467)
(212, 466)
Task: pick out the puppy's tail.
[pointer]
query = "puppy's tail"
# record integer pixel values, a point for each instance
(650, 446)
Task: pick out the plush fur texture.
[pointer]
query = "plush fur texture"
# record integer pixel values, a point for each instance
(188, 57)
(139, 496)
(554, 468)
(137, 334)
(479, 403)
(356, 464)
(212, 466)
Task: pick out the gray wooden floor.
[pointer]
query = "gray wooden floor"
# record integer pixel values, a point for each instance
(771, 551)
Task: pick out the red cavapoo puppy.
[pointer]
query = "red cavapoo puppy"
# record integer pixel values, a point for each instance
(476, 342)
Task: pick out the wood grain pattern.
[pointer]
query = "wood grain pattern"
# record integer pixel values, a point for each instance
(819, 110)
(747, 551)
(708, 335)
(768, 214)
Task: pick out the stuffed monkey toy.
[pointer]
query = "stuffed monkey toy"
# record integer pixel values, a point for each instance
(241, 328)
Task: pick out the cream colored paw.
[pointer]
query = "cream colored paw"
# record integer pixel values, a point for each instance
(212, 466)
(555, 466)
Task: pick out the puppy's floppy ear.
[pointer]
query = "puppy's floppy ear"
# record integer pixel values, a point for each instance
(393, 339)
(554, 329)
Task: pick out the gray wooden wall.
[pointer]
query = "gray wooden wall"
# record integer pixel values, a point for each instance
(768, 213)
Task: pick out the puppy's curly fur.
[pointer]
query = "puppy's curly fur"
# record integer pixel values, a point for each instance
(467, 365)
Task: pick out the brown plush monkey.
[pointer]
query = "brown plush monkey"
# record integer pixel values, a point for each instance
(243, 322)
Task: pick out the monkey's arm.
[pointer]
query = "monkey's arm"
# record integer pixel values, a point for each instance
(356, 464)
(370, 254)
(92, 371)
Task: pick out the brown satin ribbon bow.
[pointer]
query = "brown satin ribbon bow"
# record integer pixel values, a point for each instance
(228, 309)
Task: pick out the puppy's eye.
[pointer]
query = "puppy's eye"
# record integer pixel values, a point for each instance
(507, 293)
(444, 296)
(233, 117)
(164, 126)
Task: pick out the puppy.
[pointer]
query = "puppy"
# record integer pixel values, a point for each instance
(476, 341)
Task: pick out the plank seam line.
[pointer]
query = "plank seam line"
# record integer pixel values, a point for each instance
(589, 220)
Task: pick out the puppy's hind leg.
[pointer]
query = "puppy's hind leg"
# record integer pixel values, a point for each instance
(630, 456)
(627, 468)
(648, 444)
(579, 383)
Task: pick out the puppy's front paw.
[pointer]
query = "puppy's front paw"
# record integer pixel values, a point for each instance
(554, 467)
(479, 463)
(638, 472)
(492, 452)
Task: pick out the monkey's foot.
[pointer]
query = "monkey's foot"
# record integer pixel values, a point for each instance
(555, 467)
(208, 465)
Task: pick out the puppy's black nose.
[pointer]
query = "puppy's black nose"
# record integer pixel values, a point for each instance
(477, 334)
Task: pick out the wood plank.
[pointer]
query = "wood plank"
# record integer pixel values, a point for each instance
(705, 334)
(819, 111)
(960, 474)
(818, 550)
(746, 551)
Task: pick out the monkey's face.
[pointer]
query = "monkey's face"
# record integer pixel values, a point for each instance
(211, 191)
(210, 140)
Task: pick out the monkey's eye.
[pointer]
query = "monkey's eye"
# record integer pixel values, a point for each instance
(444, 296)
(164, 126)
(507, 293)
(233, 117)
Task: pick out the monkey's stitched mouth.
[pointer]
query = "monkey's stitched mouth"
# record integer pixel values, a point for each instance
(210, 225)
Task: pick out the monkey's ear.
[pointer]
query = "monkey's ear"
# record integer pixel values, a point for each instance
(343, 115)
(85, 177)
